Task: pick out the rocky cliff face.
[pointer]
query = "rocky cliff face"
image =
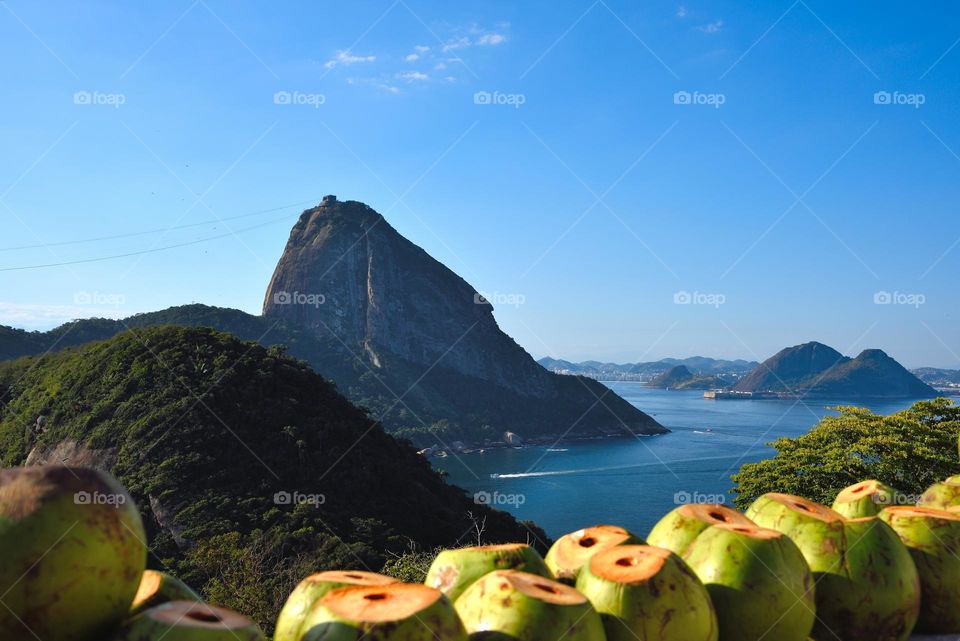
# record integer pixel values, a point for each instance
(345, 271)
(349, 277)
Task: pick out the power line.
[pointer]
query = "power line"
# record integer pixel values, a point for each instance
(145, 251)
(151, 231)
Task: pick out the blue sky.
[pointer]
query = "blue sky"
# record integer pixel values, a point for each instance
(593, 166)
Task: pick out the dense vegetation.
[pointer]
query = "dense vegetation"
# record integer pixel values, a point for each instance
(908, 450)
(442, 405)
(205, 430)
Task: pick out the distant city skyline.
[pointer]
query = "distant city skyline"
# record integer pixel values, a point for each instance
(625, 183)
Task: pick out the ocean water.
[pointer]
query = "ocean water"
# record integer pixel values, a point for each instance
(633, 482)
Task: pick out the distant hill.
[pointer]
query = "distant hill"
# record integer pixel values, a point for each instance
(207, 432)
(399, 334)
(937, 376)
(791, 368)
(816, 369)
(679, 377)
(645, 371)
(673, 377)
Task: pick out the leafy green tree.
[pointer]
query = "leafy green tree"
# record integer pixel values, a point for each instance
(909, 450)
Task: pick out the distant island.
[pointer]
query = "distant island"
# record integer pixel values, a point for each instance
(810, 370)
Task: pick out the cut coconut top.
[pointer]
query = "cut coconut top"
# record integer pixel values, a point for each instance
(500, 547)
(149, 584)
(189, 614)
(629, 563)
(921, 511)
(713, 513)
(806, 506)
(380, 603)
(858, 491)
(753, 531)
(351, 577)
(576, 548)
(537, 587)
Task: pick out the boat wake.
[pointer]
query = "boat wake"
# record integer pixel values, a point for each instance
(611, 468)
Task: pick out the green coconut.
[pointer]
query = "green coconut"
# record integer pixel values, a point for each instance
(393, 612)
(942, 495)
(572, 551)
(933, 538)
(160, 587)
(646, 592)
(866, 498)
(758, 581)
(677, 530)
(72, 550)
(867, 584)
(189, 621)
(453, 571)
(519, 606)
(311, 589)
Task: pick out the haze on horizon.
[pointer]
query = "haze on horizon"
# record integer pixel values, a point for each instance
(625, 183)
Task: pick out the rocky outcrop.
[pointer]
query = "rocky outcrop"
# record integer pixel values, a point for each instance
(347, 275)
(814, 369)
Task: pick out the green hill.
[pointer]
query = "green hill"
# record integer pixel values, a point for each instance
(437, 405)
(250, 470)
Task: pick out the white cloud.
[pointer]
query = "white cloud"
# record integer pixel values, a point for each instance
(491, 39)
(681, 11)
(440, 66)
(422, 48)
(459, 43)
(712, 27)
(412, 76)
(344, 57)
(412, 57)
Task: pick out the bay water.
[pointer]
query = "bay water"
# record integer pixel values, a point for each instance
(634, 481)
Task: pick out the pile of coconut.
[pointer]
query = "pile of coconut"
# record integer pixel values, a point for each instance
(788, 569)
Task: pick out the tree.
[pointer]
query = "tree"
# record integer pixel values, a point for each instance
(908, 450)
